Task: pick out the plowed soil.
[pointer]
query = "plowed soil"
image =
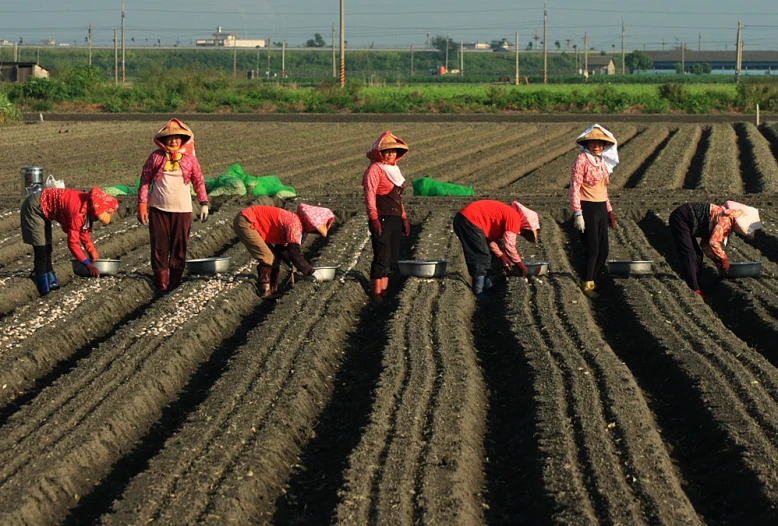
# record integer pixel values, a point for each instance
(645, 405)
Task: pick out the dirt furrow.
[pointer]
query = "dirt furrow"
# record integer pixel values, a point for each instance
(759, 168)
(635, 153)
(669, 168)
(721, 171)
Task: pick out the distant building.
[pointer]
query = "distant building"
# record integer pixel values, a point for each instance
(476, 45)
(21, 71)
(229, 40)
(599, 65)
(721, 62)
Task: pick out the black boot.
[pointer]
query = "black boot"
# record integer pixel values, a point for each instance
(42, 283)
(53, 281)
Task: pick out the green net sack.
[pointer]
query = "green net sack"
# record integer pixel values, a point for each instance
(429, 187)
(227, 185)
(272, 186)
(116, 190)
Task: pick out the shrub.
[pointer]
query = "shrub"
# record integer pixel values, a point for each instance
(8, 111)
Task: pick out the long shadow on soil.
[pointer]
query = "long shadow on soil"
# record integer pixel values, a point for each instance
(693, 177)
(771, 135)
(98, 502)
(312, 492)
(712, 472)
(752, 183)
(63, 367)
(637, 176)
(513, 472)
(732, 309)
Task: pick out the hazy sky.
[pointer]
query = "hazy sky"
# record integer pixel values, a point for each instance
(655, 24)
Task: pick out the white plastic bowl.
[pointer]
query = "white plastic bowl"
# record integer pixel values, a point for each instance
(324, 273)
(433, 268)
(107, 267)
(208, 265)
(630, 267)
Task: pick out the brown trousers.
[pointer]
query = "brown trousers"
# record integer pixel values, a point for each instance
(254, 243)
(169, 233)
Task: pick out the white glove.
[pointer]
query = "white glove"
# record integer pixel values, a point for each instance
(312, 278)
(578, 222)
(203, 213)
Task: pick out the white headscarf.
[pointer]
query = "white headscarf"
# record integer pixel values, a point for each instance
(611, 152)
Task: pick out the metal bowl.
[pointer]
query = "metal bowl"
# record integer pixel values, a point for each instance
(743, 269)
(630, 267)
(107, 267)
(433, 268)
(208, 265)
(324, 273)
(536, 267)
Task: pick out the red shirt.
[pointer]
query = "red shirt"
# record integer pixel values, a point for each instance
(499, 222)
(276, 225)
(68, 208)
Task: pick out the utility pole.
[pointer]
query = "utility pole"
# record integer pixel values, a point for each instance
(739, 52)
(342, 45)
(428, 39)
(462, 58)
(268, 57)
(447, 41)
(334, 72)
(257, 70)
(115, 58)
(234, 59)
(586, 55)
(545, 43)
(411, 60)
(699, 41)
(623, 56)
(124, 70)
(517, 59)
(683, 58)
(283, 59)
(90, 43)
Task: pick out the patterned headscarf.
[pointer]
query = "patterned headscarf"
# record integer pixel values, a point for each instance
(747, 220)
(315, 218)
(531, 219)
(175, 127)
(611, 152)
(99, 202)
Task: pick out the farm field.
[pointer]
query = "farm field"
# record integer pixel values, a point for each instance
(538, 405)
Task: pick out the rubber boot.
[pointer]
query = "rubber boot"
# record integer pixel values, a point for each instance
(588, 289)
(376, 287)
(488, 283)
(384, 286)
(175, 278)
(42, 283)
(478, 286)
(161, 280)
(274, 274)
(263, 280)
(53, 281)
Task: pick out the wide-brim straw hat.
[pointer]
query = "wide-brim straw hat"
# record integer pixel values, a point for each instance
(391, 144)
(173, 128)
(595, 135)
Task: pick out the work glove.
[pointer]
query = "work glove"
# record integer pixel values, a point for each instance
(143, 213)
(578, 222)
(375, 227)
(92, 270)
(204, 213)
(724, 265)
(406, 227)
(521, 269)
(507, 264)
(611, 220)
(699, 293)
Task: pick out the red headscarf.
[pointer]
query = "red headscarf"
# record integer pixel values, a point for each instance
(99, 202)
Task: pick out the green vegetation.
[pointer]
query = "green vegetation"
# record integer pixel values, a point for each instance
(197, 81)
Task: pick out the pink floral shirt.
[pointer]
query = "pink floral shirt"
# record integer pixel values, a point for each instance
(587, 170)
(721, 223)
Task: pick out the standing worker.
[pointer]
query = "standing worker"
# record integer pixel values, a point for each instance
(167, 209)
(480, 225)
(272, 235)
(712, 224)
(75, 211)
(384, 185)
(592, 211)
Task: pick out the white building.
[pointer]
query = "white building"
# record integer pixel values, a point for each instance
(230, 40)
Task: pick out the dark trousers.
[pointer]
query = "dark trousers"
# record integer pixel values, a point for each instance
(386, 247)
(478, 257)
(689, 251)
(595, 237)
(169, 232)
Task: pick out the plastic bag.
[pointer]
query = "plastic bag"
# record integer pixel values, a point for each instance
(427, 186)
(54, 183)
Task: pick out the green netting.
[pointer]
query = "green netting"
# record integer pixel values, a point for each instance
(228, 185)
(429, 187)
(116, 190)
